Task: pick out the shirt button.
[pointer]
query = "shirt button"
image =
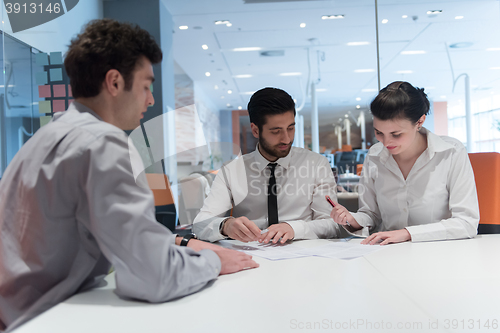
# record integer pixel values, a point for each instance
(405, 210)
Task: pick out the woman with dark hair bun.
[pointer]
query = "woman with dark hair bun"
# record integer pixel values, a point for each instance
(415, 185)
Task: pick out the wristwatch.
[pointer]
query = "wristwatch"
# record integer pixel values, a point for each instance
(187, 238)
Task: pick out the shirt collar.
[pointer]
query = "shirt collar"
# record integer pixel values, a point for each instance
(82, 108)
(435, 144)
(262, 162)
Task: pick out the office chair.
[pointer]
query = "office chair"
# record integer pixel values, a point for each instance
(486, 167)
(164, 200)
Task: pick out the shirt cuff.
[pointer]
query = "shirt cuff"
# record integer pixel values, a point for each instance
(427, 232)
(298, 229)
(213, 259)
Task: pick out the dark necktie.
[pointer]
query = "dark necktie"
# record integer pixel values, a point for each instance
(272, 200)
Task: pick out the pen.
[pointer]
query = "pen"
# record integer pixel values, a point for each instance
(330, 201)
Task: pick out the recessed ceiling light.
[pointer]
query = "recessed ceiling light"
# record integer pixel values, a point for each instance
(239, 108)
(404, 72)
(413, 52)
(494, 68)
(216, 87)
(183, 27)
(459, 17)
(368, 70)
(230, 92)
(221, 22)
(404, 16)
(242, 76)
(357, 43)
(442, 96)
(358, 98)
(302, 25)
(243, 49)
(347, 116)
(384, 21)
(229, 24)
(434, 12)
(493, 49)
(368, 90)
(358, 106)
(332, 17)
(204, 46)
(291, 74)
(207, 73)
(321, 90)
(228, 104)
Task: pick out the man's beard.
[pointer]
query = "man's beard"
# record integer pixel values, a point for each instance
(273, 150)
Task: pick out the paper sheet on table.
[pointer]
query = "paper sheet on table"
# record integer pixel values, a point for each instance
(341, 250)
(268, 251)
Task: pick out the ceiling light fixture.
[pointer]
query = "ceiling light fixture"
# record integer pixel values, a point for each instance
(413, 52)
(358, 106)
(291, 74)
(228, 104)
(459, 17)
(493, 49)
(434, 12)
(384, 21)
(204, 46)
(494, 68)
(229, 24)
(358, 98)
(246, 49)
(404, 16)
(242, 76)
(321, 90)
(404, 72)
(207, 73)
(368, 70)
(302, 25)
(222, 22)
(239, 108)
(332, 17)
(442, 97)
(229, 92)
(183, 27)
(357, 43)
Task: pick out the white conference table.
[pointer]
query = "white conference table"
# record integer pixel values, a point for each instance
(448, 286)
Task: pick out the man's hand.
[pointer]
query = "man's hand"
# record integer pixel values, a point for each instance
(387, 237)
(241, 229)
(276, 231)
(231, 261)
(341, 215)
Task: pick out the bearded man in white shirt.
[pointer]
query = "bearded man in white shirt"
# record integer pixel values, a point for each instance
(277, 192)
(70, 206)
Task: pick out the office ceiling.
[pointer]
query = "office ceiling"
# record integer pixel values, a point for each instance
(413, 47)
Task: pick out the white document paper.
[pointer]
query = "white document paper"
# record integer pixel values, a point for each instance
(269, 251)
(335, 249)
(341, 250)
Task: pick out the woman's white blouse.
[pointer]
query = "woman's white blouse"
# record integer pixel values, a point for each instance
(437, 201)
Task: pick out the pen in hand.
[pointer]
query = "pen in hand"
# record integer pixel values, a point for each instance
(330, 201)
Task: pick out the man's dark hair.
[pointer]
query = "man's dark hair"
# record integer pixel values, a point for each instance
(400, 100)
(269, 101)
(104, 45)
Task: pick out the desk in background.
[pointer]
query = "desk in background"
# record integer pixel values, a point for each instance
(416, 285)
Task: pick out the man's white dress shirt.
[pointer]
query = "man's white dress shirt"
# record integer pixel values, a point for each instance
(437, 201)
(70, 207)
(303, 178)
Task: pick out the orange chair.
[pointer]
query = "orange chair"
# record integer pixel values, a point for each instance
(164, 199)
(359, 168)
(486, 168)
(346, 148)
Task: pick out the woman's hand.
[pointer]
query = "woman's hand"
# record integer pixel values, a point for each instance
(341, 215)
(388, 237)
